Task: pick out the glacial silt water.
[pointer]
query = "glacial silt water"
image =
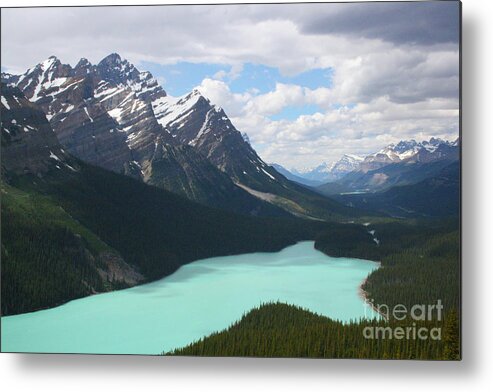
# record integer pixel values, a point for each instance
(198, 299)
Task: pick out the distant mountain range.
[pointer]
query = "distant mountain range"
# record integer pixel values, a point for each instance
(326, 172)
(116, 117)
(438, 195)
(410, 151)
(296, 178)
(406, 162)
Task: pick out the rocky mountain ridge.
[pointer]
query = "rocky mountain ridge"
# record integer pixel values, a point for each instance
(406, 151)
(114, 116)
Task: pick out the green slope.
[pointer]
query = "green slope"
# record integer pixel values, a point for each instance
(420, 260)
(47, 256)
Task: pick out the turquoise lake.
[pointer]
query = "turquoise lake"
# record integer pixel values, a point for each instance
(200, 298)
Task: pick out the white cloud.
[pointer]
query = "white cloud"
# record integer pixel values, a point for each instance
(230, 75)
(385, 88)
(325, 135)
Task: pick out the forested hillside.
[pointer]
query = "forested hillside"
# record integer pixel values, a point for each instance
(72, 218)
(420, 260)
(42, 246)
(281, 330)
(420, 265)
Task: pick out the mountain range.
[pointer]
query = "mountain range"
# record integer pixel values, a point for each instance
(294, 177)
(327, 172)
(404, 151)
(410, 151)
(406, 162)
(436, 195)
(118, 118)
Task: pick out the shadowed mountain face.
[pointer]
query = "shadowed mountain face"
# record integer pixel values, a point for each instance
(438, 195)
(173, 167)
(396, 174)
(29, 145)
(116, 117)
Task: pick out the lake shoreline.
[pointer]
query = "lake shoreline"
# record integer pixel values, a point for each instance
(364, 296)
(200, 298)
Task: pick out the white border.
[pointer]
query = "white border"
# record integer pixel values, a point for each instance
(474, 373)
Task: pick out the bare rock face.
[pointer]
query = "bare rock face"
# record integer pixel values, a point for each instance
(115, 70)
(116, 117)
(29, 144)
(119, 72)
(100, 113)
(111, 115)
(116, 270)
(83, 68)
(194, 121)
(90, 134)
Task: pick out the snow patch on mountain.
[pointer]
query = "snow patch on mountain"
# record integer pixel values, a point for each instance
(169, 110)
(5, 103)
(404, 151)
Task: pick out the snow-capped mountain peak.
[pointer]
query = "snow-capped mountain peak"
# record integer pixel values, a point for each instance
(407, 151)
(170, 109)
(403, 151)
(40, 80)
(354, 157)
(347, 163)
(120, 72)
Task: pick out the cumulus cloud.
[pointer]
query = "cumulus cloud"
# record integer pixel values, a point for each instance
(395, 65)
(327, 134)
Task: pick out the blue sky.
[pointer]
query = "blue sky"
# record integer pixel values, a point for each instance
(307, 82)
(180, 78)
